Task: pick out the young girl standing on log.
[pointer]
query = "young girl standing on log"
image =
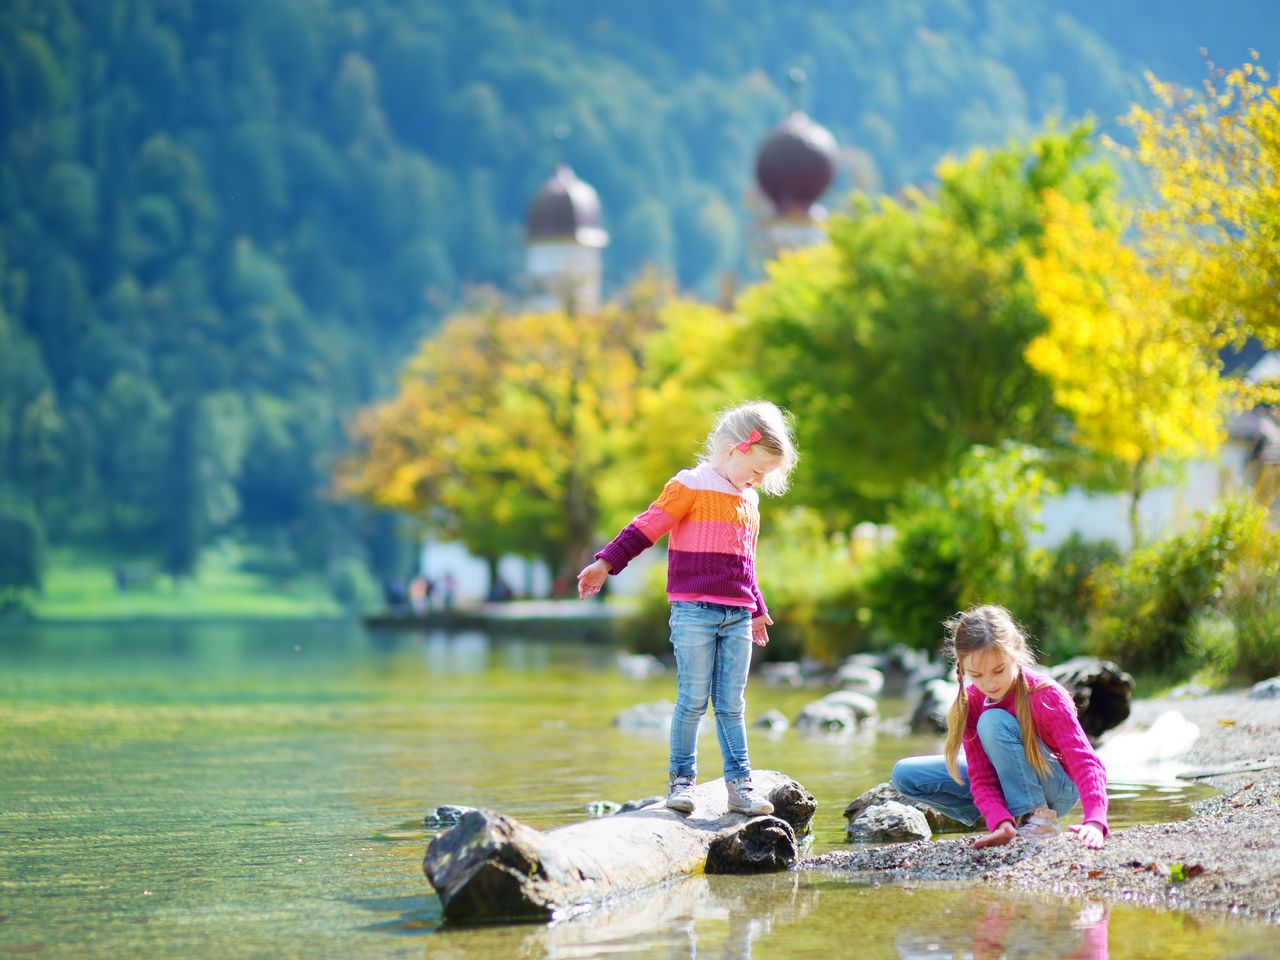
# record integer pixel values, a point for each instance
(1026, 759)
(712, 513)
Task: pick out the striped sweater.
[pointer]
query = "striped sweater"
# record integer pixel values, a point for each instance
(1054, 716)
(713, 525)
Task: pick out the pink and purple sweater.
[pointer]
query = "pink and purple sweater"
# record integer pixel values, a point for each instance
(1056, 723)
(713, 525)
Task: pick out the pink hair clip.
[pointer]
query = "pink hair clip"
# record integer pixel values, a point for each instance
(752, 437)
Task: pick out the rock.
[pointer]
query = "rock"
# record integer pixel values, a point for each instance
(639, 666)
(1188, 691)
(1265, 689)
(860, 678)
(1101, 690)
(764, 844)
(445, 816)
(772, 720)
(639, 804)
(888, 822)
(827, 717)
(886, 792)
(930, 714)
(646, 716)
(782, 674)
(603, 808)
(863, 706)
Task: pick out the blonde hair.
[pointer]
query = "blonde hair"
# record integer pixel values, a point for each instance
(981, 630)
(734, 426)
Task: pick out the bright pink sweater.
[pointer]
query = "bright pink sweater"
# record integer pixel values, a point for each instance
(1056, 723)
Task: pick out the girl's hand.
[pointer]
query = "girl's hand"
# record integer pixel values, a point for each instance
(759, 635)
(1088, 833)
(592, 578)
(998, 837)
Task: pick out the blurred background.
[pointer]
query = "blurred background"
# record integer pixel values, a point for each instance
(330, 307)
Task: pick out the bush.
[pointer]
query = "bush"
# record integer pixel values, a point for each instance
(964, 544)
(1251, 604)
(1145, 607)
(1058, 611)
(21, 557)
(353, 586)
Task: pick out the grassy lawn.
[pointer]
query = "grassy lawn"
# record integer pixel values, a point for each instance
(84, 588)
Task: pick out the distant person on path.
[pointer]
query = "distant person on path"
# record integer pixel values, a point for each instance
(712, 513)
(450, 587)
(1026, 759)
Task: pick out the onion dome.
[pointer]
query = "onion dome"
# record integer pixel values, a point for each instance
(796, 163)
(566, 209)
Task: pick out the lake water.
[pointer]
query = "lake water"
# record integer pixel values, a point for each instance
(248, 790)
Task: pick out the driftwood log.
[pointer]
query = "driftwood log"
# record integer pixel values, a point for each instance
(491, 867)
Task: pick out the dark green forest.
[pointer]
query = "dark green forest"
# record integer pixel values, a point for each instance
(224, 223)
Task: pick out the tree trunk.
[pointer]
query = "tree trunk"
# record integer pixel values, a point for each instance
(491, 867)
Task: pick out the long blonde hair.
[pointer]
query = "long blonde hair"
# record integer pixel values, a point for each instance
(774, 432)
(980, 630)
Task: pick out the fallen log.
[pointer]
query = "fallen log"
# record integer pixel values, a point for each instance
(491, 867)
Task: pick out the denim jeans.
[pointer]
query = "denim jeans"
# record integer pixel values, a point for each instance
(926, 778)
(713, 654)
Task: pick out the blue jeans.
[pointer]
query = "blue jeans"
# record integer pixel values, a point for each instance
(713, 654)
(926, 778)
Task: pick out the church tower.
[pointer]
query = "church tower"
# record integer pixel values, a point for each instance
(563, 243)
(795, 165)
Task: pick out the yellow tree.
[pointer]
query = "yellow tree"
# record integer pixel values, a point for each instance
(1213, 157)
(498, 432)
(1138, 376)
(694, 365)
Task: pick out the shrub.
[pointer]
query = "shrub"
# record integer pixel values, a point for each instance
(21, 556)
(963, 544)
(1145, 607)
(1058, 611)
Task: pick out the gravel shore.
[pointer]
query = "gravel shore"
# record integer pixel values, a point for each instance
(1224, 859)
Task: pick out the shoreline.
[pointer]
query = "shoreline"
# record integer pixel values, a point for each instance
(1226, 853)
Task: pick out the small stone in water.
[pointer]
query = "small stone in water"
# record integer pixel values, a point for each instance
(445, 816)
(602, 808)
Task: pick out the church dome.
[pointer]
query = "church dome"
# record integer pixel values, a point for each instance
(565, 209)
(796, 163)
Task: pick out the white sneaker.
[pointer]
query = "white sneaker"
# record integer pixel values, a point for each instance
(680, 794)
(744, 799)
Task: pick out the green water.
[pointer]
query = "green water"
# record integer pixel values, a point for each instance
(257, 790)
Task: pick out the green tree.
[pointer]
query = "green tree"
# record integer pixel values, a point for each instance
(901, 342)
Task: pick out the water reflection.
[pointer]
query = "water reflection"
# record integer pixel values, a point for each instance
(701, 916)
(1010, 928)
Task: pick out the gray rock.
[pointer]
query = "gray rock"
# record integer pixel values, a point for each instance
(888, 822)
(886, 792)
(826, 717)
(646, 716)
(785, 673)
(863, 706)
(1101, 690)
(1187, 691)
(859, 678)
(930, 714)
(639, 804)
(1265, 689)
(639, 666)
(445, 816)
(772, 720)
